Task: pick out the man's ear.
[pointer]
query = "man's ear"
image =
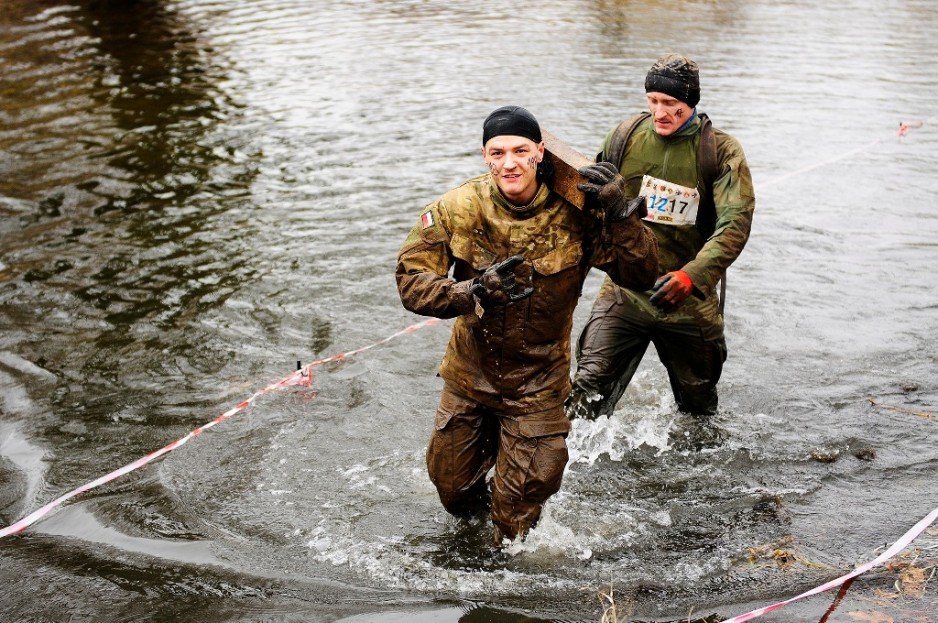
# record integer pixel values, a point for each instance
(540, 151)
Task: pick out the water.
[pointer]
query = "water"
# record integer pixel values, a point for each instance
(194, 195)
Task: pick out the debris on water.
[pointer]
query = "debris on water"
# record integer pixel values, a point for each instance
(769, 507)
(865, 453)
(779, 552)
(923, 414)
(611, 608)
(909, 387)
(825, 455)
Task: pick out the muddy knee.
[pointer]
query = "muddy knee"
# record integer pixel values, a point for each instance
(530, 470)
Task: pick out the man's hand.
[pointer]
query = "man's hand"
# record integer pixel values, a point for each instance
(496, 285)
(609, 187)
(671, 290)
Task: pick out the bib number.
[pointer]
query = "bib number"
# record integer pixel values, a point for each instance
(669, 203)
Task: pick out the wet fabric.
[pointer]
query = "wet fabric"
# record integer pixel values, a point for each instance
(528, 453)
(507, 367)
(514, 357)
(513, 120)
(689, 340)
(704, 254)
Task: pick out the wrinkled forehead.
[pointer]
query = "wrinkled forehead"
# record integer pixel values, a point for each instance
(509, 142)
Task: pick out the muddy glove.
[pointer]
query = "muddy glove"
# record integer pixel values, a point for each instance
(671, 290)
(609, 188)
(497, 285)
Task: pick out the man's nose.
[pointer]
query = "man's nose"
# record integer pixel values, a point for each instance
(510, 162)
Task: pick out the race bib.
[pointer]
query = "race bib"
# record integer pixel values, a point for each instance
(669, 203)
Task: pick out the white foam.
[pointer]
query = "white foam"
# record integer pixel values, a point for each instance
(552, 537)
(613, 436)
(388, 562)
(25, 366)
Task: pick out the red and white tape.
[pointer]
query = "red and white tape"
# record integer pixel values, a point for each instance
(902, 131)
(302, 377)
(896, 547)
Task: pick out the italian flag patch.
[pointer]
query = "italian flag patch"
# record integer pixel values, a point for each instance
(426, 219)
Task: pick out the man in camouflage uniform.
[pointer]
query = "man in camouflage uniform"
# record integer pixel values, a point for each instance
(699, 200)
(519, 254)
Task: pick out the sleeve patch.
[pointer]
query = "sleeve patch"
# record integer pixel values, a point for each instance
(426, 219)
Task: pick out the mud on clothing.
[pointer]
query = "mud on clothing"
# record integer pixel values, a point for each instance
(509, 365)
(690, 340)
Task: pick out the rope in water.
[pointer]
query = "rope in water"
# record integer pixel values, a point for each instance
(302, 377)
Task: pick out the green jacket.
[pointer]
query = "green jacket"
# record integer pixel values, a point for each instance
(704, 255)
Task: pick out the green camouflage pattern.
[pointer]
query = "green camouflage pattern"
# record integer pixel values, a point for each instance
(514, 357)
(704, 256)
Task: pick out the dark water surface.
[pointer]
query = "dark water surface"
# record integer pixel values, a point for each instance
(196, 194)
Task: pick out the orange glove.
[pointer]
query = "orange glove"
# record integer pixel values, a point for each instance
(671, 289)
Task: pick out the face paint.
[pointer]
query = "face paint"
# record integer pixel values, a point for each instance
(679, 113)
(512, 161)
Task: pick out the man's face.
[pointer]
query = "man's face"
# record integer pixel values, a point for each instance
(513, 162)
(669, 113)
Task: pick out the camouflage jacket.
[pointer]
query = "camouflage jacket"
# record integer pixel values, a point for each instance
(514, 357)
(703, 254)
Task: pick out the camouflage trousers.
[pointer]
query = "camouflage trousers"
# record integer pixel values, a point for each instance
(528, 452)
(622, 323)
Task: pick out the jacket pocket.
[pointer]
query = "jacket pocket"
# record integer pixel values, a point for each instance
(561, 258)
(557, 278)
(543, 424)
(471, 252)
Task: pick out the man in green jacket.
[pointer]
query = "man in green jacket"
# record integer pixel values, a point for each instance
(699, 197)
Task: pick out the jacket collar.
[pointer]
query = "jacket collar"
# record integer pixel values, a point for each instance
(523, 211)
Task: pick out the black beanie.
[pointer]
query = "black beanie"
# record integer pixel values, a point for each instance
(512, 120)
(677, 76)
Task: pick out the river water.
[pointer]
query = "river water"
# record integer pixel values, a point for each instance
(194, 195)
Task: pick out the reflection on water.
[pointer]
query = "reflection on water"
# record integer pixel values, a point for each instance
(194, 195)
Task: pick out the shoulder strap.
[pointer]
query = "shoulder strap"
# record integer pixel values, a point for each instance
(620, 139)
(709, 170)
(707, 152)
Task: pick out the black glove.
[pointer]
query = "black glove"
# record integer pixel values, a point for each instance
(609, 188)
(497, 284)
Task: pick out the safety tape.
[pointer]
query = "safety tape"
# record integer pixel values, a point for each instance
(301, 377)
(918, 528)
(304, 377)
(902, 131)
(896, 547)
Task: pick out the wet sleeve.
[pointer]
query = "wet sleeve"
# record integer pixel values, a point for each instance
(628, 252)
(423, 265)
(735, 203)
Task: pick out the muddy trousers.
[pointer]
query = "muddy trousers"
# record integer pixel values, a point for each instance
(529, 453)
(622, 323)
